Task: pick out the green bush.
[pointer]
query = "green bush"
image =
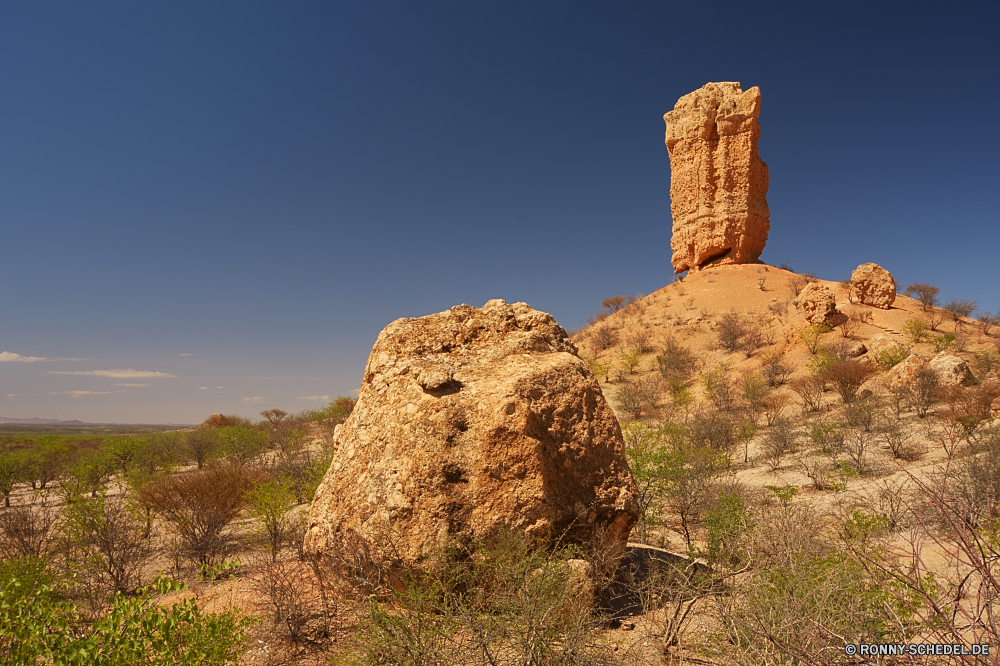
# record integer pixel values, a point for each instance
(891, 356)
(38, 626)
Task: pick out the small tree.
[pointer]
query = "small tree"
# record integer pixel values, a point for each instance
(269, 504)
(13, 466)
(925, 390)
(847, 377)
(925, 293)
(201, 504)
(959, 309)
(110, 535)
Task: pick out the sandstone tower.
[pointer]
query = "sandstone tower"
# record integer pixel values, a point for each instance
(718, 183)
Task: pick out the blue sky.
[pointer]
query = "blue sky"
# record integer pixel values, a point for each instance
(241, 195)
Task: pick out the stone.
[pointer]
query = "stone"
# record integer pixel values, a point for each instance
(718, 183)
(874, 286)
(951, 370)
(857, 349)
(904, 372)
(470, 422)
(817, 302)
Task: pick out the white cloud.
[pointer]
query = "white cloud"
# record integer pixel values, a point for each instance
(209, 388)
(17, 358)
(133, 385)
(256, 400)
(14, 395)
(80, 394)
(126, 373)
(315, 398)
(184, 354)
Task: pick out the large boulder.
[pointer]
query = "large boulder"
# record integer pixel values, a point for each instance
(951, 370)
(873, 286)
(817, 303)
(473, 421)
(718, 183)
(905, 372)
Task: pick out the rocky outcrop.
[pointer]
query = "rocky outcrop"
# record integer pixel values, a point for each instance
(718, 183)
(951, 370)
(905, 372)
(817, 302)
(874, 286)
(473, 421)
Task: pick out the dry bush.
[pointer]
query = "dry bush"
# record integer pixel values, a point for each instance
(774, 371)
(605, 336)
(847, 377)
(731, 330)
(925, 293)
(110, 538)
(638, 397)
(850, 325)
(676, 363)
(293, 595)
(641, 341)
(900, 441)
(810, 391)
(224, 420)
(778, 441)
(201, 505)
(924, 390)
(774, 404)
(26, 531)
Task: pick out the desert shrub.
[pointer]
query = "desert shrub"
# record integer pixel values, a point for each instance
(87, 474)
(983, 363)
(242, 445)
(891, 355)
(959, 309)
(605, 336)
(13, 469)
(925, 390)
(899, 441)
(812, 336)
(773, 369)
(915, 330)
(645, 451)
(987, 320)
(753, 396)
(46, 463)
(778, 441)
(810, 392)
(201, 445)
(676, 363)
(27, 531)
(714, 430)
(638, 397)
(269, 504)
(730, 330)
(224, 421)
(858, 445)
(925, 293)
(303, 472)
(513, 602)
(847, 377)
(943, 342)
(293, 595)
(38, 626)
(630, 360)
(200, 505)
(722, 391)
(109, 538)
(640, 340)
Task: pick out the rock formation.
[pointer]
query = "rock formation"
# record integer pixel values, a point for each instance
(873, 286)
(718, 183)
(471, 421)
(951, 370)
(817, 302)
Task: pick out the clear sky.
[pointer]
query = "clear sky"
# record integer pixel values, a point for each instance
(215, 207)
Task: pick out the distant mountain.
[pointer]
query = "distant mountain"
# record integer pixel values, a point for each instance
(36, 421)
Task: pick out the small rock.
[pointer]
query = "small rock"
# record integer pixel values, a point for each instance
(857, 349)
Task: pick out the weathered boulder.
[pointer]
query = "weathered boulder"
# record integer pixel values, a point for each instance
(951, 370)
(469, 422)
(718, 183)
(873, 286)
(904, 372)
(817, 302)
